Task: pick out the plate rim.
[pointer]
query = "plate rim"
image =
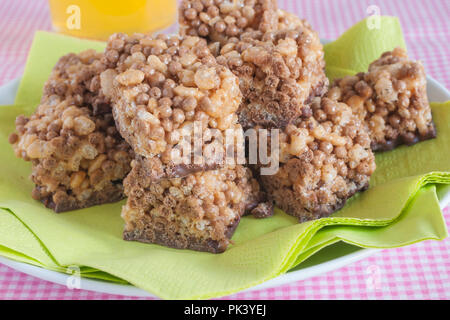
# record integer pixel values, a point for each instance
(106, 287)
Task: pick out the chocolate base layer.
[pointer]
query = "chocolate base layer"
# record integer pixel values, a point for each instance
(110, 194)
(408, 140)
(155, 170)
(155, 235)
(303, 215)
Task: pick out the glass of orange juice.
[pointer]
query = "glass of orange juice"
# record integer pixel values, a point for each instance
(98, 19)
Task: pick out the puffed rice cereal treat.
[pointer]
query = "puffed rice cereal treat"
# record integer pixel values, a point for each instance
(78, 157)
(77, 77)
(199, 212)
(172, 102)
(220, 20)
(324, 160)
(280, 73)
(391, 99)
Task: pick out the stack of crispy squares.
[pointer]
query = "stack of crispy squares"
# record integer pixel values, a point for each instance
(324, 151)
(161, 120)
(183, 192)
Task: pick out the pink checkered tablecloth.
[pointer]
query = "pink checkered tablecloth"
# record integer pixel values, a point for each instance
(420, 271)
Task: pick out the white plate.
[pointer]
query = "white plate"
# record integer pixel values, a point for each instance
(317, 264)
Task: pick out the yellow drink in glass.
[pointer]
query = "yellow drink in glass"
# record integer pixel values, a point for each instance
(98, 19)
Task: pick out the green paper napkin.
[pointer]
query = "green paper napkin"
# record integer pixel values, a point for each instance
(400, 208)
(362, 44)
